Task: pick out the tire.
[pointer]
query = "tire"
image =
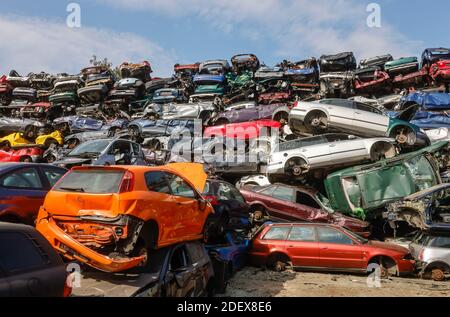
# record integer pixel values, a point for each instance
(278, 262)
(281, 116)
(316, 121)
(296, 167)
(221, 121)
(49, 142)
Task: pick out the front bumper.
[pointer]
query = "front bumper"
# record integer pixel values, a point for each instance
(74, 250)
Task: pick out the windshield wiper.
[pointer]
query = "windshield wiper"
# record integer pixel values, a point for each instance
(75, 189)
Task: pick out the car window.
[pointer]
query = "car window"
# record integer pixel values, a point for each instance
(338, 102)
(18, 253)
(363, 107)
(158, 182)
(268, 191)
(224, 192)
(27, 178)
(179, 259)
(440, 242)
(136, 148)
(284, 193)
(53, 175)
(180, 188)
(120, 147)
(422, 172)
(330, 235)
(277, 233)
(237, 195)
(91, 181)
(307, 200)
(303, 234)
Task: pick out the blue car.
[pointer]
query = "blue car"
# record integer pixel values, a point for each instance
(228, 257)
(432, 109)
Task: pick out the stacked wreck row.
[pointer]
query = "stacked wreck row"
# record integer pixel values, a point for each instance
(331, 117)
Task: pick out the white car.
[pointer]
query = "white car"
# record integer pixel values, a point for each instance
(296, 158)
(350, 117)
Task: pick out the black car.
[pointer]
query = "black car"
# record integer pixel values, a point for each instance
(182, 270)
(230, 207)
(29, 266)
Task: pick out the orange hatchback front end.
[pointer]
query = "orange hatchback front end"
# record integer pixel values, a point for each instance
(109, 217)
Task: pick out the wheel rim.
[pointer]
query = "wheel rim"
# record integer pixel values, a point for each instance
(438, 275)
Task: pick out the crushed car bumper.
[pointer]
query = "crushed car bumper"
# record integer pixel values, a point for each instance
(74, 250)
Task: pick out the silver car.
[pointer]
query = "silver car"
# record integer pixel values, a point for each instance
(199, 110)
(350, 117)
(432, 253)
(298, 157)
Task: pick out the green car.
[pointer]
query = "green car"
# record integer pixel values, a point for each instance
(64, 97)
(361, 191)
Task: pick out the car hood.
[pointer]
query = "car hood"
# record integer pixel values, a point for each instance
(73, 160)
(389, 246)
(195, 173)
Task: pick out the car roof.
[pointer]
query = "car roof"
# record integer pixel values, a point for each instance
(308, 224)
(12, 165)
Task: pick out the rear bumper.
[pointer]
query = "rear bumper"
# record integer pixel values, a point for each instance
(73, 250)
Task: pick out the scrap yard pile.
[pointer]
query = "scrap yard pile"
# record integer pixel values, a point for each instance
(129, 170)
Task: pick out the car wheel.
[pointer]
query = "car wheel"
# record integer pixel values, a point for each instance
(296, 167)
(316, 121)
(278, 262)
(438, 275)
(48, 143)
(26, 159)
(404, 135)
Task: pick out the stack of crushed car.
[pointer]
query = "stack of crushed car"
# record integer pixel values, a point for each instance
(362, 149)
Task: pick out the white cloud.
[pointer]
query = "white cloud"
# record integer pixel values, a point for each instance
(295, 27)
(34, 45)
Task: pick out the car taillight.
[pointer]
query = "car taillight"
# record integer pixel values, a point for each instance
(212, 200)
(127, 182)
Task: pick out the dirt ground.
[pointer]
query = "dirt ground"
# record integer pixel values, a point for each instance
(256, 282)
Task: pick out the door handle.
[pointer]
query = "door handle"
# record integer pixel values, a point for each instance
(291, 246)
(325, 248)
(357, 112)
(332, 145)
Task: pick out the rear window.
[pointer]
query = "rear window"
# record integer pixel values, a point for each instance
(440, 242)
(18, 253)
(91, 181)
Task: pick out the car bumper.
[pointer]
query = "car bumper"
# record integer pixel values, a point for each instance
(406, 267)
(74, 250)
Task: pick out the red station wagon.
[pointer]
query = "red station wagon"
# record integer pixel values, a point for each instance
(323, 247)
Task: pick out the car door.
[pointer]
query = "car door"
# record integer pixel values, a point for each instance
(316, 150)
(302, 246)
(22, 193)
(344, 149)
(167, 210)
(340, 112)
(179, 281)
(186, 205)
(370, 121)
(281, 203)
(338, 251)
(199, 263)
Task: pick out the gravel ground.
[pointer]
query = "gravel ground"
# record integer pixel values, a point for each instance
(256, 282)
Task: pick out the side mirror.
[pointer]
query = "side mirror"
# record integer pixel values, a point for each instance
(202, 203)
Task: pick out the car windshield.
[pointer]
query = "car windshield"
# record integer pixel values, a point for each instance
(94, 147)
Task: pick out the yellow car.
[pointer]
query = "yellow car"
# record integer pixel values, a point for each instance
(17, 139)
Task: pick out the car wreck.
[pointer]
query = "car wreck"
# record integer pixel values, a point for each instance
(98, 231)
(426, 210)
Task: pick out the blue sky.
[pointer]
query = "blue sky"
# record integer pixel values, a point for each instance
(35, 36)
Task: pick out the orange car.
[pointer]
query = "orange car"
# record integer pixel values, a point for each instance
(108, 217)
